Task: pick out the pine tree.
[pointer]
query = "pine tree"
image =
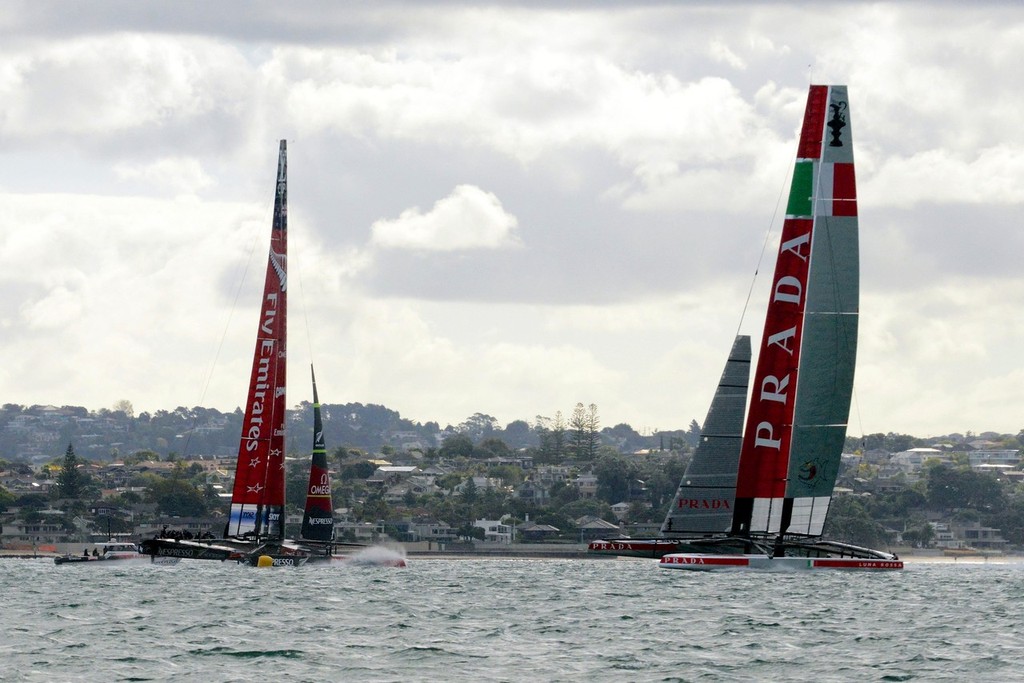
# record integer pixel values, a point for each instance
(578, 432)
(70, 482)
(592, 436)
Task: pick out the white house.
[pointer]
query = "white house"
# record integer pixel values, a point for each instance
(495, 530)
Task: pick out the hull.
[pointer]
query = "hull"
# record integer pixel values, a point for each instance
(193, 550)
(659, 547)
(700, 562)
(640, 547)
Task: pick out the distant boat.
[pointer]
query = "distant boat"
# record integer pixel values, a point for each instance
(756, 496)
(118, 551)
(255, 531)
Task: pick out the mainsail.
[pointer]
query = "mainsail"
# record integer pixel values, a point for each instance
(318, 520)
(257, 500)
(796, 424)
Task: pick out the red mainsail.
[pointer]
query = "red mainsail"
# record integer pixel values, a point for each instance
(257, 500)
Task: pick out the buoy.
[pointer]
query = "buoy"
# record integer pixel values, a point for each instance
(265, 561)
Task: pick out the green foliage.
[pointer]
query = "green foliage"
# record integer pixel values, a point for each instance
(176, 497)
(848, 521)
(356, 471)
(142, 456)
(456, 446)
(582, 508)
(71, 483)
(950, 488)
(551, 437)
(492, 447)
(469, 491)
(6, 499)
(1010, 519)
(919, 534)
(616, 477)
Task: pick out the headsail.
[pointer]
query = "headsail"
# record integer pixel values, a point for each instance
(257, 500)
(796, 424)
(318, 520)
(705, 499)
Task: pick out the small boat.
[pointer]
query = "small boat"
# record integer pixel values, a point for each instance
(112, 551)
(756, 494)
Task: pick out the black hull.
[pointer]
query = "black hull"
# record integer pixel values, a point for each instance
(192, 550)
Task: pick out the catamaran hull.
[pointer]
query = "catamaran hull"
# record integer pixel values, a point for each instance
(698, 562)
(653, 548)
(163, 547)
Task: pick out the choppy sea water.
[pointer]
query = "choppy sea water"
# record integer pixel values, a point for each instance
(507, 620)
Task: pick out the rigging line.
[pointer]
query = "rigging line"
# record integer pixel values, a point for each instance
(296, 271)
(764, 248)
(305, 310)
(227, 323)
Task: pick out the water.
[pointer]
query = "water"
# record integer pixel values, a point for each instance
(507, 620)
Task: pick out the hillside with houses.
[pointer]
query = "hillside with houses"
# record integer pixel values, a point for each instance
(69, 476)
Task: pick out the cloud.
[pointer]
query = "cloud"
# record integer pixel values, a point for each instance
(468, 218)
(179, 175)
(614, 173)
(942, 176)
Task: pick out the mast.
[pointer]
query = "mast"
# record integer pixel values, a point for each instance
(257, 499)
(796, 424)
(318, 519)
(706, 495)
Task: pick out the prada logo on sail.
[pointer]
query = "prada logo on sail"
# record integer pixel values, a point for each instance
(781, 348)
(703, 504)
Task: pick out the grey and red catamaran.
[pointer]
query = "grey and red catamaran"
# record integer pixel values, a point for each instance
(756, 494)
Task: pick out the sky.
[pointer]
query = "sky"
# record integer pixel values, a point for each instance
(500, 209)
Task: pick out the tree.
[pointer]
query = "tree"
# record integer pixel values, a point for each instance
(125, 406)
(176, 497)
(518, 434)
(6, 499)
(469, 491)
(848, 521)
(551, 434)
(693, 434)
(951, 488)
(578, 432)
(71, 482)
(615, 476)
(591, 437)
(479, 426)
(493, 447)
(456, 445)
